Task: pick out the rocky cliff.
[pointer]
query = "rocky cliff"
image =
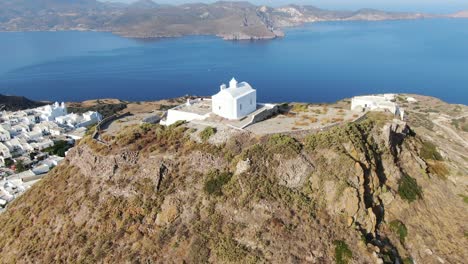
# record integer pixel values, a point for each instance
(376, 191)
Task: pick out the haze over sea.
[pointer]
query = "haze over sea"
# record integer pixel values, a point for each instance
(320, 62)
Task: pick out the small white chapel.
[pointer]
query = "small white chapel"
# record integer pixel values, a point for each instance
(236, 101)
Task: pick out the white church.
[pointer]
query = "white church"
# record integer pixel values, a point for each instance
(51, 112)
(236, 101)
(233, 103)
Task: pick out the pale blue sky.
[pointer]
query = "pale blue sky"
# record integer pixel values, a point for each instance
(434, 6)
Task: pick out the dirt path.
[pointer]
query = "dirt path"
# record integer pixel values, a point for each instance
(440, 123)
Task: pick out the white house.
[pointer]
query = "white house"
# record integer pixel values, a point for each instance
(4, 154)
(4, 135)
(4, 151)
(236, 101)
(19, 129)
(78, 120)
(90, 118)
(51, 112)
(384, 102)
(14, 145)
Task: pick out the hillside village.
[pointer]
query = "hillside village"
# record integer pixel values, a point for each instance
(34, 141)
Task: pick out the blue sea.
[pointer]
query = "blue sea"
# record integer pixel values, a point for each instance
(319, 62)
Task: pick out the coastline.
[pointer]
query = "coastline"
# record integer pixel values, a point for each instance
(275, 34)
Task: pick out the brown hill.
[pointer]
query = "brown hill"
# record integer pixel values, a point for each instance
(362, 193)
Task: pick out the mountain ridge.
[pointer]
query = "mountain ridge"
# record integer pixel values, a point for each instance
(147, 19)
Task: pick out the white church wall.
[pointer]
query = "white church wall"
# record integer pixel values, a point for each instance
(246, 105)
(224, 105)
(236, 101)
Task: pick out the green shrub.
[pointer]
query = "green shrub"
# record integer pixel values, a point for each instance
(284, 144)
(461, 123)
(147, 127)
(399, 229)
(59, 148)
(9, 162)
(408, 260)
(343, 254)
(429, 152)
(465, 198)
(215, 182)
(300, 108)
(229, 250)
(20, 166)
(408, 189)
(178, 124)
(206, 133)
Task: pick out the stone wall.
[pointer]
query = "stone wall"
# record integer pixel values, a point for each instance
(267, 112)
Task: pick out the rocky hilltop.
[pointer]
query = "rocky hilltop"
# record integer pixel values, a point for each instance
(375, 191)
(146, 19)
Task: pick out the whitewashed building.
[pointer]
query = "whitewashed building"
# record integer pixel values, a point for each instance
(385, 102)
(51, 112)
(4, 154)
(79, 120)
(233, 103)
(4, 135)
(236, 101)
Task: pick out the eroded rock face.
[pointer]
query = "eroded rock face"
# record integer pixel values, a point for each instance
(203, 162)
(294, 172)
(344, 201)
(169, 212)
(242, 166)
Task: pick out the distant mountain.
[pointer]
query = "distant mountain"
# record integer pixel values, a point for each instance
(147, 19)
(461, 14)
(15, 103)
(144, 4)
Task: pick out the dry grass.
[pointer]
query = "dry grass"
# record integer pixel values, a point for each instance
(325, 121)
(310, 119)
(298, 108)
(337, 119)
(438, 168)
(299, 123)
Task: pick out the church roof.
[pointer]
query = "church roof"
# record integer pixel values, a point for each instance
(241, 89)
